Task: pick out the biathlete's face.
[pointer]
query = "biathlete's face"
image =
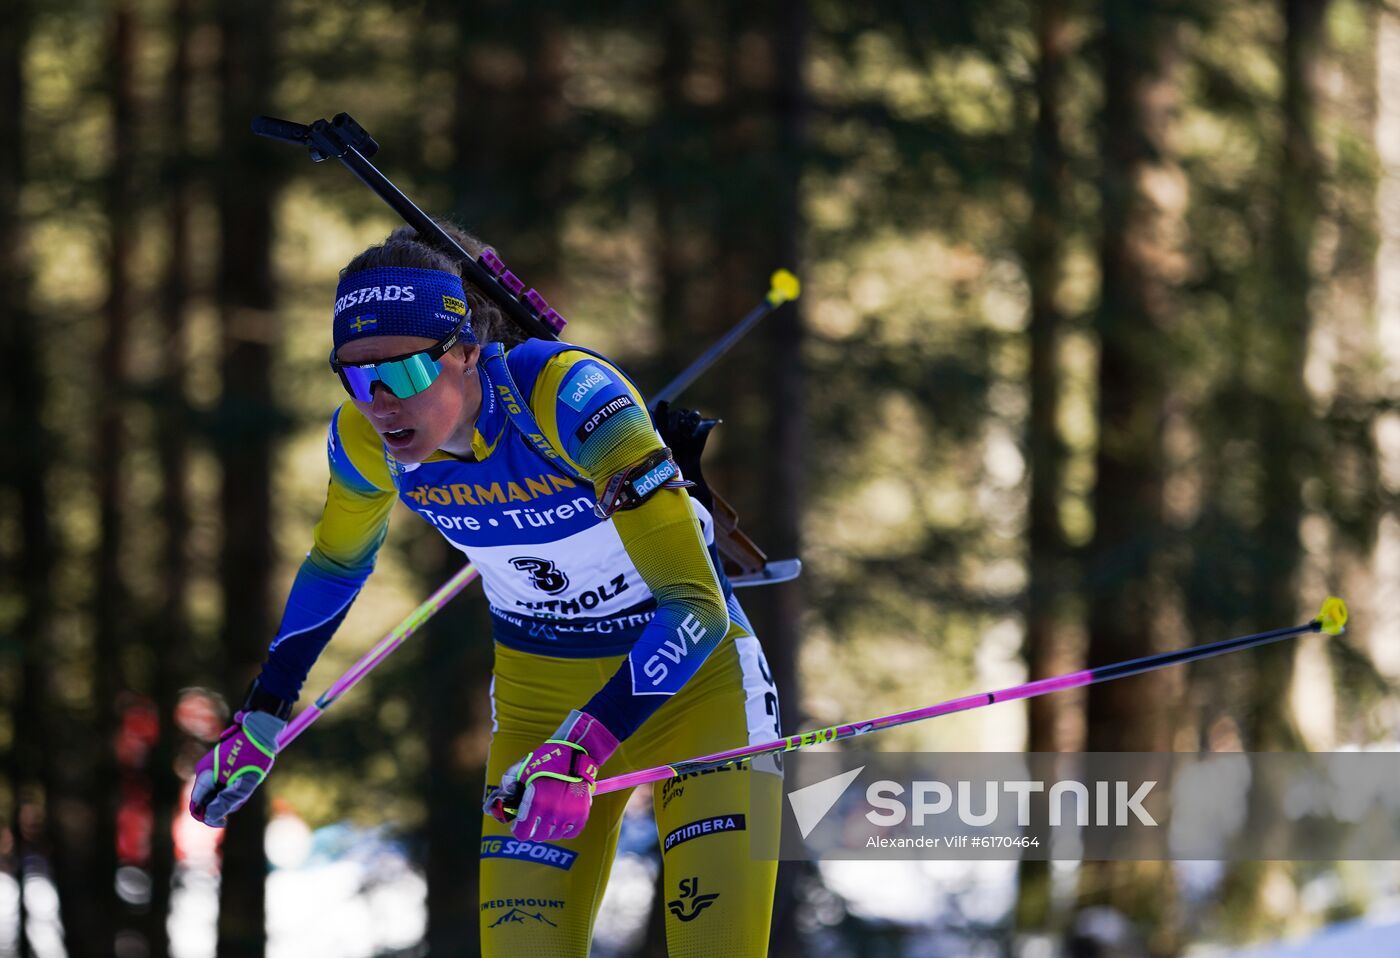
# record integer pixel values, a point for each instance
(443, 416)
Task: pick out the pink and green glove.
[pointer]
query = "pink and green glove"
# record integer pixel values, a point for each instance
(227, 777)
(547, 794)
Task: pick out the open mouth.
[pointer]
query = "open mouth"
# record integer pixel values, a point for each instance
(399, 437)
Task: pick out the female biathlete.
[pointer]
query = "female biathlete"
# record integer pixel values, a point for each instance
(618, 642)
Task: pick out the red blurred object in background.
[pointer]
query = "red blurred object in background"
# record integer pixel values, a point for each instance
(201, 714)
(137, 731)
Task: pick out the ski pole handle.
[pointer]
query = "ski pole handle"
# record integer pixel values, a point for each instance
(285, 130)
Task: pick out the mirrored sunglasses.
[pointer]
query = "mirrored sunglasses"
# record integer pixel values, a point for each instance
(404, 376)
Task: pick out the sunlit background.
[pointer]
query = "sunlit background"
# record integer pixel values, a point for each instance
(1098, 355)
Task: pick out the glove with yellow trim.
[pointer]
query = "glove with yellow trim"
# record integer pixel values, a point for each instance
(548, 793)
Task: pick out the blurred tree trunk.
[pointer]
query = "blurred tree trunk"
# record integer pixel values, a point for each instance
(511, 132)
(112, 610)
(170, 637)
(457, 659)
(779, 226)
(755, 222)
(1283, 418)
(1282, 394)
(1051, 583)
(1142, 201)
(1133, 321)
(246, 422)
(26, 563)
(675, 168)
(786, 103)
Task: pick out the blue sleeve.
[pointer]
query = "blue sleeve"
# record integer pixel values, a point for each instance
(670, 651)
(316, 606)
(346, 540)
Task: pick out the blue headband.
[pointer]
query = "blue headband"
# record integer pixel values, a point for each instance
(400, 301)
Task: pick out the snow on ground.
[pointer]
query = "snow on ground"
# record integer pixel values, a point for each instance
(347, 892)
(338, 892)
(924, 892)
(41, 899)
(1375, 936)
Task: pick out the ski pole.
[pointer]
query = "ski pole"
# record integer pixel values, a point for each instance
(1331, 620)
(783, 286)
(379, 653)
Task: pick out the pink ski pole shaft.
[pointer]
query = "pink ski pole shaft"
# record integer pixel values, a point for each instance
(1331, 620)
(379, 653)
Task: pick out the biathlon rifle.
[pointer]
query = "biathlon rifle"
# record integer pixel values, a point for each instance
(685, 431)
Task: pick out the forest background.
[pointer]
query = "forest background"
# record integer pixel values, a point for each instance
(1098, 355)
